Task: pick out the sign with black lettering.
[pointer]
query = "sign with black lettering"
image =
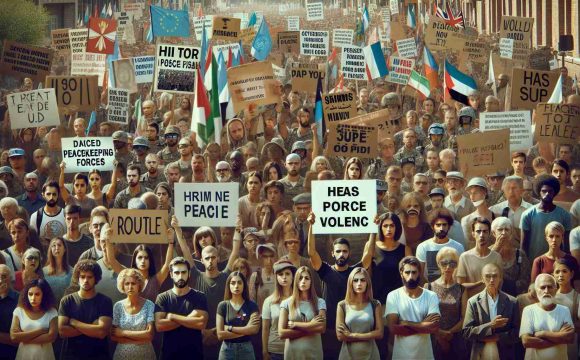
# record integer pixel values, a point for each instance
(60, 40)
(314, 43)
(476, 51)
(175, 67)
(342, 37)
(226, 28)
(139, 226)
(558, 123)
(379, 119)
(252, 84)
(314, 11)
(353, 63)
(84, 154)
(442, 36)
(506, 48)
(400, 70)
(352, 140)
(199, 22)
(407, 48)
(520, 30)
(289, 41)
(83, 62)
(338, 106)
(480, 154)
(293, 23)
(344, 206)
(144, 69)
(75, 93)
(214, 204)
(118, 106)
(33, 109)
(519, 123)
(25, 60)
(531, 87)
(305, 76)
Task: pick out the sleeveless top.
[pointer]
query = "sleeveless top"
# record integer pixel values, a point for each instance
(385, 273)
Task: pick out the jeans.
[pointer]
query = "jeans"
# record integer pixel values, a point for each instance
(276, 356)
(237, 351)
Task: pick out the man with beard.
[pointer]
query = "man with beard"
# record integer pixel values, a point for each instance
(181, 314)
(170, 153)
(301, 133)
(85, 316)
(31, 200)
(236, 161)
(412, 314)
(409, 150)
(441, 221)
(134, 190)
(456, 202)
(153, 176)
(334, 281)
(171, 173)
(223, 172)
(122, 153)
(197, 170)
(49, 221)
(155, 144)
(236, 135)
(293, 182)
(535, 219)
(546, 327)
(140, 149)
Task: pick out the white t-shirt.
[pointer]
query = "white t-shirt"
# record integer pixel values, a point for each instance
(427, 253)
(409, 309)
(534, 318)
(50, 226)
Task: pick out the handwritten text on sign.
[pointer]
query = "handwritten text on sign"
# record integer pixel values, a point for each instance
(206, 204)
(531, 87)
(74, 93)
(558, 123)
(118, 105)
(33, 109)
(139, 226)
(352, 140)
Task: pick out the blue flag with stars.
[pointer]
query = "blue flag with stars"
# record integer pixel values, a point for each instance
(166, 22)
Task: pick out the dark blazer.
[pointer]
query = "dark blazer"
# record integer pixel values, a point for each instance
(477, 324)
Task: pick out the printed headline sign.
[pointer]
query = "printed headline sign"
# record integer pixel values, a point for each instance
(342, 37)
(252, 83)
(33, 109)
(25, 60)
(531, 87)
(75, 93)
(226, 28)
(213, 204)
(293, 23)
(506, 48)
(60, 40)
(139, 226)
(407, 48)
(352, 140)
(441, 36)
(379, 119)
(518, 122)
(175, 68)
(558, 123)
(353, 63)
(199, 23)
(314, 11)
(314, 43)
(144, 69)
(84, 154)
(82, 62)
(338, 106)
(400, 70)
(289, 41)
(483, 153)
(118, 106)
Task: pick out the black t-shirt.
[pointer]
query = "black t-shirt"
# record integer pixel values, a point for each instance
(237, 318)
(7, 306)
(87, 311)
(333, 289)
(181, 341)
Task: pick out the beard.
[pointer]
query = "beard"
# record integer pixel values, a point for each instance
(51, 203)
(441, 234)
(547, 300)
(180, 284)
(221, 178)
(411, 284)
(341, 261)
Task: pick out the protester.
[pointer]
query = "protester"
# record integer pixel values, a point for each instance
(8, 302)
(544, 264)
(57, 271)
(564, 271)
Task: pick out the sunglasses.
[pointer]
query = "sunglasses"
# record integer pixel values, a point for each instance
(450, 263)
(30, 258)
(171, 136)
(183, 146)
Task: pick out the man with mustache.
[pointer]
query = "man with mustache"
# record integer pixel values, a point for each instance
(412, 314)
(415, 226)
(456, 202)
(49, 221)
(546, 327)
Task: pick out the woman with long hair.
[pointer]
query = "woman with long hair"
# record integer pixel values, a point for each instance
(302, 319)
(163, 192)
(31, 269)
(80, 190)
(205, 236)
(96, 182)
(272, 171)
(353, 169)
(272, 345)
(35, 322)
(320, 163)
(564, 271)
(247, 204)
(359, 319)
(237, 319)
(19, 232)
(57, 271)
(283, 227)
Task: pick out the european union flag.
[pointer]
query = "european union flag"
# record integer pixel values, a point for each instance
(262, 44)
(166, 22)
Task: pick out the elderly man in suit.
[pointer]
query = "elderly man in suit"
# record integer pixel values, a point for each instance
(491, 319)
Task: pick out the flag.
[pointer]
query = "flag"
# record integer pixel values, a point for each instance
(104, 11)
(213, 128)
(411, 17)
(240, 54)
(491, 75)
(169, 22)
(375, 61)
(137, 114)
(458, 84)
(201, 111)
(557, 95)
(207, 78)
(332, 55)
(110, 58)
(431, 68)
(450, 18)
(419, 83)
(102, 34)
(253, 19)
(149, 37)
(318, 115)
(226, 106)
(87, 15)
(262, 44)
(576, 85)
(339, 84)
(109, 11)
(92, 122)
(203, 50)
(365, 19)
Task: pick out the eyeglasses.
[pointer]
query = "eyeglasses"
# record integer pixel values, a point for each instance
(183, 146)
(30, 258)
(171, 136)
(440, 181)
(450, 263)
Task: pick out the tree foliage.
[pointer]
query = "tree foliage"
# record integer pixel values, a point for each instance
(22, 21)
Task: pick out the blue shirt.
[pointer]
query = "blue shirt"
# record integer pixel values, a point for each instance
(535, 221)
(30, 205)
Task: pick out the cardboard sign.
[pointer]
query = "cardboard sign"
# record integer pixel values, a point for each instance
(441, 36)
(314, 11)
(82, 62)
(394, 7)
(352, 140)
(199, 23)
(305, 76)
(252, 83)
(400, 70)
(407, 48)
(314, 43)
(531, 87)
(124, 75)
(483, 153)
(175, 67)
(139, 226)
(353, 63)
(380, 119)
(342, 37)
(344, 206)
(213, 204)
(118, 106)
(518, 29)
(33, 109)
(506, 48)
(289, 41)
(60, 40)
(226, 28)
(25, 60)
(144, 69)
(84, 154)
(558, 123)
(293, 23)
(518, 122)
(476, 51)
(338, 106)
(248, 35)
(75, 93)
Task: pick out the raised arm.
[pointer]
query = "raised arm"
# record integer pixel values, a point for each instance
(235, 247)
(162, 274)
(112, 191)
(63, 191)
(110, 254)
(315, 259)
(369, 250)
(182, 243)
(315, 142)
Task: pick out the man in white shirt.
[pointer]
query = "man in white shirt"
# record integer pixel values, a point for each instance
(546, 327)
(412, 314)
(514, 206)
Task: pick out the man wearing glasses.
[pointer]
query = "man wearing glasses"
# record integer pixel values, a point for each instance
(170, 152)
(185, 149)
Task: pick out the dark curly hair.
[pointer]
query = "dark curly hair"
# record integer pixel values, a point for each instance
(87, 265)
(549, 180)
(48, 302)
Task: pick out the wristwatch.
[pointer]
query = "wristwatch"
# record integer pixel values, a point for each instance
(230, 327)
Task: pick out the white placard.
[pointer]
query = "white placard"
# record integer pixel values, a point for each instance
(144, 69)
(199, 23)
(118, 105)
(519, 123)
(344, 206)
(394, 7)
(386, 14)
(214, 204)
(314, 11)
(82, 62)
(342, 37)
(32, 109)
(225, 49)
(293, 23)
(407, 48)
(314, 43)
(506, 48)
(400, 70)
(175, 68)
(87, 153)
(353, 63)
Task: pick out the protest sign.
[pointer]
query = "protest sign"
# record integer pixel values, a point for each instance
(407, 48)
(342, 37)
(248, 35)
(125, 31)
(225, 50)
(136, 9)
(144, 69)
(314, 11)
(353, 63)
(483, 153)
(25, 60)
(441, 36)
(531, 87)
(60, 40)
(344, 206)
(118, 106)
(102, 34)
(314, 43)
(338, 106)
(289, 41)
(226, 28)
(305, 76)
(518, 122)
(214, 204)
(352, 140)
(199, 23)
(476, 51)
(520, 30)
(33, 109)
(124, 75)
(84, 154)
(175, 68)
(558, 123)
(252, 83)
(380, 119)
(554, 64)
(82, 62)
(506, 48)
(539, 59)
(394, 6)
(293, 23)
(132, 226)
(400, 70)
(78, 40)
(385, 15)
(75, 93)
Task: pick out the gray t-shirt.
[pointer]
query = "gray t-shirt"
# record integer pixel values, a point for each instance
(271, 312)
(575, 239)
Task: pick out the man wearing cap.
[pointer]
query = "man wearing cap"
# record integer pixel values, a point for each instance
(153, 175)
(293, 182)
(31, 199)
(302, 132)
(409, 150)
(514, 207)
(467, 117)
(185, 148)
(301, 209)
(133, 190)
(8, 176)
(494, 183)
(477, 190)
(140, 149)
(17, 162)
(381, 192)
(299, 147)
(378, 169)
(501, 89)
(435, 133)
(170, 153)
(392, 103)
(456, 202)
(122, 153)
(409, 170)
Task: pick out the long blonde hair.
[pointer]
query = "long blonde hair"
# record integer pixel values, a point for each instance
(295, 298)
(368, 295)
